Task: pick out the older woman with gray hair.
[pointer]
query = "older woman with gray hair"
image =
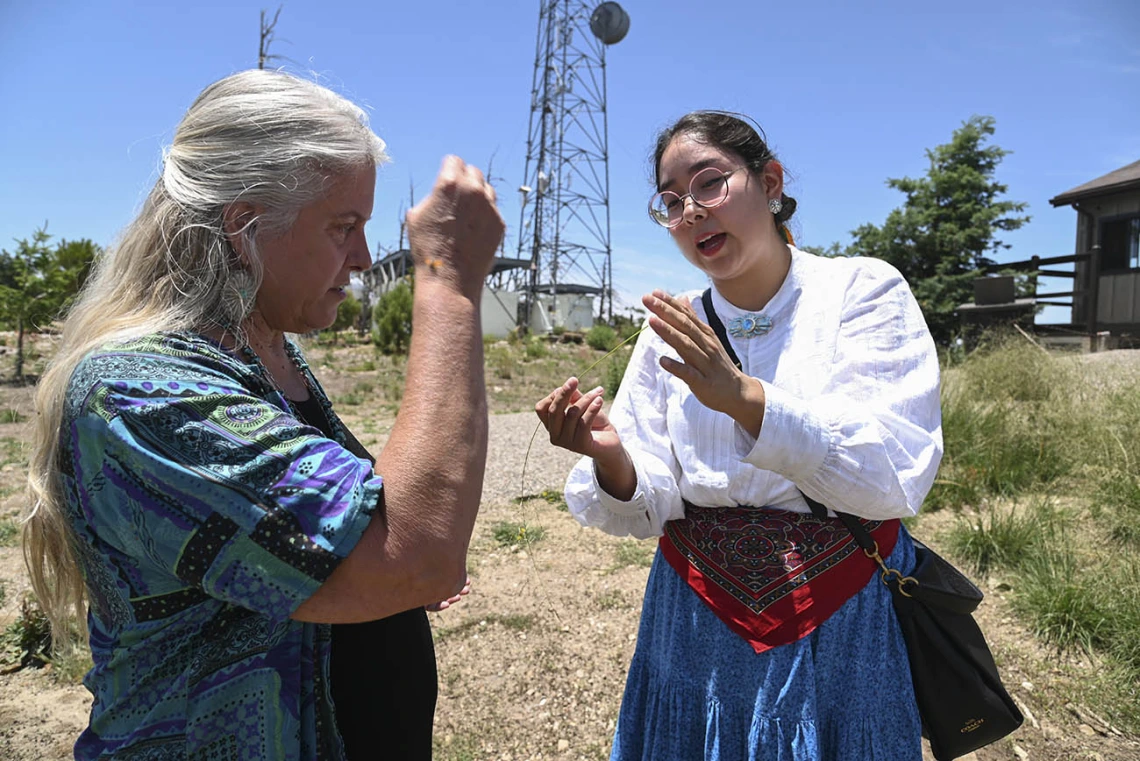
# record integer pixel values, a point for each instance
(194, 493)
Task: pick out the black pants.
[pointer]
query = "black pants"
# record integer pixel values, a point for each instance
(384, 687)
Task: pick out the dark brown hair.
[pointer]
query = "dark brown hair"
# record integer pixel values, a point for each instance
(729, 132)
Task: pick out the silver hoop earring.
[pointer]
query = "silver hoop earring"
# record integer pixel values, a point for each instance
(774, 205)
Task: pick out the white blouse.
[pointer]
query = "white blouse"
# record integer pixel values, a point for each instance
(852, 416)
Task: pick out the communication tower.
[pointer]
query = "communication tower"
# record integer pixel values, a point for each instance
(564, 230)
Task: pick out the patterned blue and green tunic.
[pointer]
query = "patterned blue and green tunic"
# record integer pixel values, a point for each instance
(205, 513)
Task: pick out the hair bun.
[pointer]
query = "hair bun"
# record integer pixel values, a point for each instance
(788, 208)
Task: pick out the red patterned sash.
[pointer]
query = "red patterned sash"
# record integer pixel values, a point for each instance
(772, 576)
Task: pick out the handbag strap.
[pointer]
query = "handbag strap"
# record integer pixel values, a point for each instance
(718, 327)
(869, 546)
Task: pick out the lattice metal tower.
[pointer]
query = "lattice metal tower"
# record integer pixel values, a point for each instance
(564, 230)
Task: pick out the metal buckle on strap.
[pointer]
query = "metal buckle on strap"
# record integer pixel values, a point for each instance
(888, 573)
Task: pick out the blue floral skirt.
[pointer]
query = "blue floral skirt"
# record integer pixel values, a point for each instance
(696, 690)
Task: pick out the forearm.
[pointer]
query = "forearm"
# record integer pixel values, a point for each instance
(434, 460)
(414, 550)
(616, 475)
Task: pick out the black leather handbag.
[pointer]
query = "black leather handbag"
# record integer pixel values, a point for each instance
(961, 699)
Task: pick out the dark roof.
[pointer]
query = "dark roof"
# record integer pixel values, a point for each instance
(401, 260)
(502, 263)
(1125, 178)
(591, 290)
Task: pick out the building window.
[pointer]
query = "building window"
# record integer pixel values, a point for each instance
(1120, 244)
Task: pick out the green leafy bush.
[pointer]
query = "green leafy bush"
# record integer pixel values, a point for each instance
(393, 314)
(601, 337)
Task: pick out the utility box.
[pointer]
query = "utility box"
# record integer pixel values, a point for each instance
(994, 290)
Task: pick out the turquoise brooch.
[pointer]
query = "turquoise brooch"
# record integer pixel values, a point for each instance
(749, 325)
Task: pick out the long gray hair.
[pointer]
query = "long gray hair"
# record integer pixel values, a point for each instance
(264, 137)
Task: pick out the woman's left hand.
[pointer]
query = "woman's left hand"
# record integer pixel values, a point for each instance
(705, 366)
(435, 607)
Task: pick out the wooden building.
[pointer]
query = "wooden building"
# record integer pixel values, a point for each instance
(1108, 226)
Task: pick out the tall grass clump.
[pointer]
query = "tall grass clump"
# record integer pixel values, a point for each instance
(500, 360)
(996, 539)
(1061, 606)
(1117, 506)
(1024, 431)
(1006, 425)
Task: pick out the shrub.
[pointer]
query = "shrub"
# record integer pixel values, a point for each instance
(500, 361)
(536, 348)
(627, 327)
(347, 314)
(601, 337)
(393, 314)
(30, 634)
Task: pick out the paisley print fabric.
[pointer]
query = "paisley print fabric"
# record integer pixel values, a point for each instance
(772, 576)
(205, 513)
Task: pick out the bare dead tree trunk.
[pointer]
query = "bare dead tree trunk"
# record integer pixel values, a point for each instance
(266, 40)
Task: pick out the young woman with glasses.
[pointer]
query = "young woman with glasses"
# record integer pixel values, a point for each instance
(765, 632)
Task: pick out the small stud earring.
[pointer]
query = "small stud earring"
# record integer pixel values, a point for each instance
(774, 205)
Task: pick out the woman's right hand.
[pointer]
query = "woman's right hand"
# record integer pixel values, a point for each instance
(455, 231)
(575, 421)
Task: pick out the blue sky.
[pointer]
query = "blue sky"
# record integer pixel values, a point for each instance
(849, 95)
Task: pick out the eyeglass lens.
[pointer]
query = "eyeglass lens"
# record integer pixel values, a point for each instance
(708, 188)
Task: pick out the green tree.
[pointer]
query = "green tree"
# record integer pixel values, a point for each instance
(831, 252)
(38, 282)
(393, 314)
(948, 226)
(346, 314)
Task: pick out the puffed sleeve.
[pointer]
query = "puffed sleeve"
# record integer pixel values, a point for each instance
(638, 413)
(871, 443)
(213, 489)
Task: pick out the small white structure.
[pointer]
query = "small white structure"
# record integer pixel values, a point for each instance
(499, 311)
(564, 306)
(569, 311)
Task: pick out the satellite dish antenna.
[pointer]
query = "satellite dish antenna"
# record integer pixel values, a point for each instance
(609, 23)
